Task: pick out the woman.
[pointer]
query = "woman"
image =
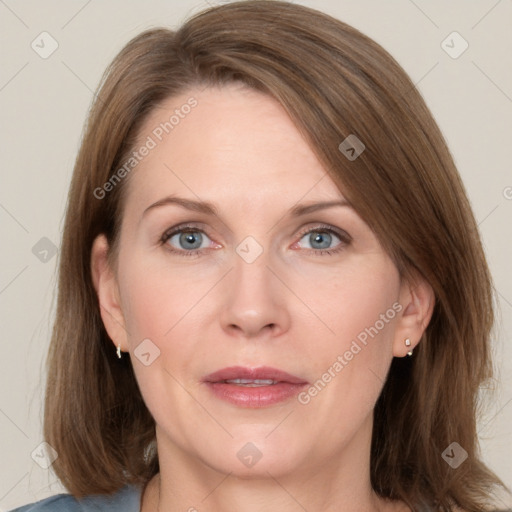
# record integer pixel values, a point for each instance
(266, 224)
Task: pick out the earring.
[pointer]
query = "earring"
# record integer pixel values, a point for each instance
(408, 344)
(119, 351)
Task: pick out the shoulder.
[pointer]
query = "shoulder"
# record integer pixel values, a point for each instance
(126, 500)
(61, 502)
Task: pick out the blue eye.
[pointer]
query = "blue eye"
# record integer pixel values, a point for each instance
(320, 239)
(189, 239)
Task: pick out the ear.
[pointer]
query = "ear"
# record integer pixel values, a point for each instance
(417, 299)
(105, 284)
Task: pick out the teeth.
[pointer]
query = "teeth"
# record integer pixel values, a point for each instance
(251, 382)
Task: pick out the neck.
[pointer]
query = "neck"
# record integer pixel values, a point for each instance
(342, 482)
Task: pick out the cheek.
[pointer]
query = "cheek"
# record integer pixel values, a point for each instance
(352, 299)
(163, 316)
(158, 298)
(357, 306)
(360, 307)
(158, 316)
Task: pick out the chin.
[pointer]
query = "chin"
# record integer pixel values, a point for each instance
(255, 456)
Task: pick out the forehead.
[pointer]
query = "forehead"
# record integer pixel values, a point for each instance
(230, 144)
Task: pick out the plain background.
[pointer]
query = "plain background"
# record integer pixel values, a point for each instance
(44, 103)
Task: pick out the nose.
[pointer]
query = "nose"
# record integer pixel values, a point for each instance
(255, 304)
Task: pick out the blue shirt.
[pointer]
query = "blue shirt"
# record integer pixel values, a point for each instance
(126, 500)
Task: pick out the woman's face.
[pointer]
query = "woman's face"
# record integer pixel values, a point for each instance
(256, 285)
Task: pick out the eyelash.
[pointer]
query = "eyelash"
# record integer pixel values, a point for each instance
(322, 228)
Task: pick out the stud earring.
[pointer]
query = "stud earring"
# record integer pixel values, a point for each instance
(119, 351)
(408, 344)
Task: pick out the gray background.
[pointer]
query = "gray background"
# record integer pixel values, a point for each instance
(44, 102)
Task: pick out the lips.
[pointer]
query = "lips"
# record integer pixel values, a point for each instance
(263, 373)
(253, 387)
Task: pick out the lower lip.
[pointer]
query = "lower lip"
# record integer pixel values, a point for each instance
(260, 396)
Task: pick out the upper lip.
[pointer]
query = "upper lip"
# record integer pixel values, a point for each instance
(260, 373)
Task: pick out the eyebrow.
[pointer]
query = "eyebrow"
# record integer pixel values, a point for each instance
(210, 209)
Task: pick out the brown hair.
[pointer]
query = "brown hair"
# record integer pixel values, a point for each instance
(333, 81)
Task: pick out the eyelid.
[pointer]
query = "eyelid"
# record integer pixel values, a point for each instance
(195, 226)
(341, 233)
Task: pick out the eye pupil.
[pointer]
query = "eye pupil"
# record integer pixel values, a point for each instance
(323, 239)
